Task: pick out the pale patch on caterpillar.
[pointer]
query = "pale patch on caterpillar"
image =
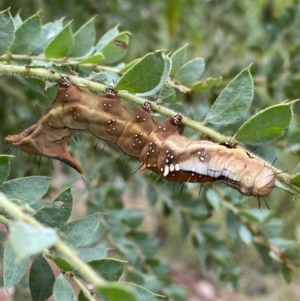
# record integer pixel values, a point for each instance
(160, 147)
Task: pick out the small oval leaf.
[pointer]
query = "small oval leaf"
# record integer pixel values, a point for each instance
(108, 268)
(94, 59)
(58, 212)
(41, 279)
(28, 35)
(7, 31)
(79, 231)
(17, 189)
(178, 58)
(62, 290)
(191, 71)
(266, 126)
(62, 44)
(115, 49)
(14, 268)
(84, 39)
(145, 75)
(4, 168)
(296, 180)
(234, 101)
(116, 292)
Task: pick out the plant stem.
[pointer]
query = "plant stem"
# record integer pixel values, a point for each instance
(81, 286)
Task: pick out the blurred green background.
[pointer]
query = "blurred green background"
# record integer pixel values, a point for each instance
(229, 35)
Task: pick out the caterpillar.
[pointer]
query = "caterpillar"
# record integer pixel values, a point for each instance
(159, 146)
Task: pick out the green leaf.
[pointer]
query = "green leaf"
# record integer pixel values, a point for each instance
(295, 180)
(178, 58)
(104, 77)
(175, 293)
(27, 36)
(213, 199)
(264, 254)
(142, 293)
(41, 279)
(14, 268)
(168, 94)
(94, 59)
(27, 240)
(4, 166)
(152, 194)
(133, 217)
(49, 31)
(147, 76)
(82, 297)
(89, 254)
(116, 292)
(191, 71)
(234, 101)
(18, 20)
(254, 215)
(62, 263)
(266, 126)
(233, 223)
(62, 290)
(108, 268)
(58, 212)
(62, 44)
(129, 65)
(271, 228)
(79, 231)
(107, 37)
(17, 189)
(7, 31)
(84, 39)
(245, 234)
(207, 85)
(115, 49)
(286, 273)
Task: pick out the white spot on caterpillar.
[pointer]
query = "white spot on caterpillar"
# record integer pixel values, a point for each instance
(166, 172)
(177, 167)
(161, 169)
(167, 161)
(172, 167)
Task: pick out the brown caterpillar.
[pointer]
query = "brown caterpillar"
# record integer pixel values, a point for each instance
(160, 147)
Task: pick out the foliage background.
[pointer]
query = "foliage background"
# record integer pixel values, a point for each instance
(229, 35)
